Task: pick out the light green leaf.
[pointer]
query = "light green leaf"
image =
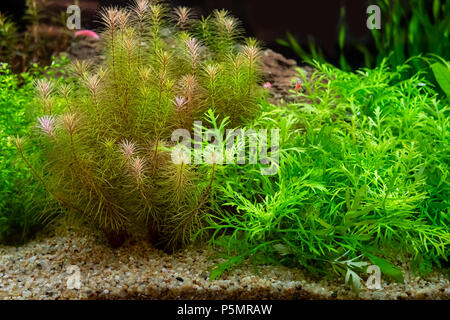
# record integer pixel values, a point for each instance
(387, 268)
(442, 75)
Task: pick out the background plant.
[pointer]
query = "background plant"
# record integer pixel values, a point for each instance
(408, 29)
(441, 71)
(421, 27)
(106, 139)
(363, 178)
(23, 49)
(22, 198)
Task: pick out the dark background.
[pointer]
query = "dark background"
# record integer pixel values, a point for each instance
(268, 20)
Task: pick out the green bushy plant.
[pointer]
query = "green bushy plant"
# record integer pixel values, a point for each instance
(363, 178)
(108, 144)
(21, 197)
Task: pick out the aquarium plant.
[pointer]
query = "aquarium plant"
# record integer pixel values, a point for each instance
(22, 198)
(363, 179)
(408, 29)
(107, 140)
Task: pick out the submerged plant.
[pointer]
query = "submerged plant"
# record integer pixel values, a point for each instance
(107, 139)
(21, 197)
(409, 29)
(363, 174)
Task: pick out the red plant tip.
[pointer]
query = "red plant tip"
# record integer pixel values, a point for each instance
(212, 70)
(70, 122)
(140, 8)
(93, 83)
(251, 52)
(47, 125)
(180, 102)
(182, 14)
(230, 24)
(87, 33)
(298, 86)
(181, 157)
(214, 157)
(128, 148)
(267, 85)
(18, 141)
(137, 167)
(44, 87)
(194, 48)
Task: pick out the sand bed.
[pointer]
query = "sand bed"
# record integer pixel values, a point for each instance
(41, 269)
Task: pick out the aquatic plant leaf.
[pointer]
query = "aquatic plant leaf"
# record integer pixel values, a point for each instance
(282, 249)
(352, 279)
(442, 75)
(387, 268)
(219, 269)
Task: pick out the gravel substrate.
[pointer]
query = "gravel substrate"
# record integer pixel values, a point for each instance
(40, 270)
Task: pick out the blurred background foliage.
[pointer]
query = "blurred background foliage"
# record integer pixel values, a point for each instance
(408, 29)
(34, 38)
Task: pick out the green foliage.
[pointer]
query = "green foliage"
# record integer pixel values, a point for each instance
(363, 174)
(408, 29)
(8, 36)
(107, 138)
(308, 56)
(387, 268)
(441, 71)
(420, 27)
(21, 197)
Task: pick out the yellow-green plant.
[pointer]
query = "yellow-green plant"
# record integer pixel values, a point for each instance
(107, 138)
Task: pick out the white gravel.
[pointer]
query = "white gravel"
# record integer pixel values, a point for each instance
(40, 270)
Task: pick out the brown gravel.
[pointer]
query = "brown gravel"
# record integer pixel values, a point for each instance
(39, 270)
